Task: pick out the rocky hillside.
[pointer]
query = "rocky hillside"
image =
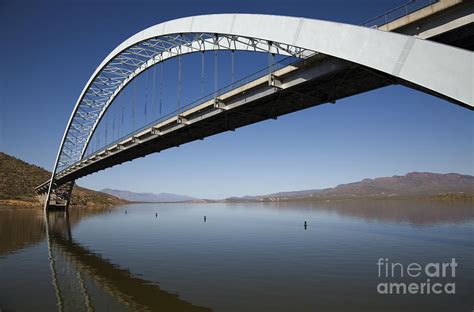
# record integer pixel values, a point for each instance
(417, 185)
(18, 180)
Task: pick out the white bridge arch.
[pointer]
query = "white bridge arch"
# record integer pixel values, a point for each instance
(440, 69)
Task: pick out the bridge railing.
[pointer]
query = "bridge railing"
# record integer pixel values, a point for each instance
(290, 60)
(397, 12)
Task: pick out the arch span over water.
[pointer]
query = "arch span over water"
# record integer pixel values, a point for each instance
(440, 69)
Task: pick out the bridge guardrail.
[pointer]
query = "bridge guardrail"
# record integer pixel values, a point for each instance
(397, 12)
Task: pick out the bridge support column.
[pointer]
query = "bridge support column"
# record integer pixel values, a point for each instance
(59, 197)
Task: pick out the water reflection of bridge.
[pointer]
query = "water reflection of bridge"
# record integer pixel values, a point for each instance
(79, 275)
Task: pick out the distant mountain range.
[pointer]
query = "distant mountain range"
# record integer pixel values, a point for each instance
(415, 185)
(411, 185)
(149, 197)
(287, 195)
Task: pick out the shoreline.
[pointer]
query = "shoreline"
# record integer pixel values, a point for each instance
(23, 204)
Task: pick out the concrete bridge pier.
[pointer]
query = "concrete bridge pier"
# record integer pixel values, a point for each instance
(59, 197)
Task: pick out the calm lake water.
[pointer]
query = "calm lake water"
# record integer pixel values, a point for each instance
(244, 257)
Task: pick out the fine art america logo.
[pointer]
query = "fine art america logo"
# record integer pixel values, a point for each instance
(416, 278)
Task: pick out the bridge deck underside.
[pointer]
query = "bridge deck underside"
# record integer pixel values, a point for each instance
(329, 88)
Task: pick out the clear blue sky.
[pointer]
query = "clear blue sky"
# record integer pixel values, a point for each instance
(49, 50)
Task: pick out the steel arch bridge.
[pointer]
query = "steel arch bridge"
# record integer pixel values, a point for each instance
(324, 48)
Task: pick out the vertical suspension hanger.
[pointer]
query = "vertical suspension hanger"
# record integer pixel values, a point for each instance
(123, 113)
(215, 66)
(118, 121)
(146, 92)
(202, 74)
(272, 66)
(133, 102)
(161, 85)
(154, 91)
(232, 54)
(105, 132)
(113, 127)
(270, 62)
(179, 81)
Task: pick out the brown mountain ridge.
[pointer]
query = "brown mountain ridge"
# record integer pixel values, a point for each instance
(414, 185)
